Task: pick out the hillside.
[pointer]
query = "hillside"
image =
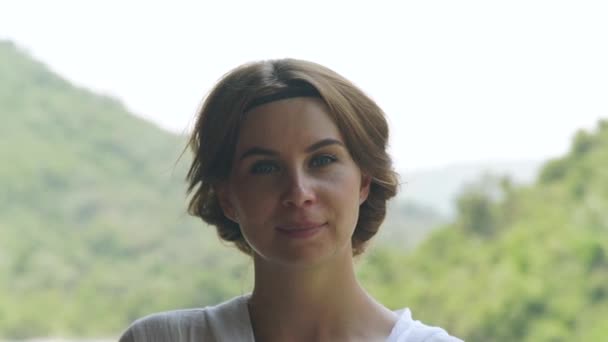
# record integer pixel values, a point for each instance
(92, 209)
(528, 264)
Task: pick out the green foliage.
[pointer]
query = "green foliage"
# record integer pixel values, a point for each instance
(529, 264)
(475, 212)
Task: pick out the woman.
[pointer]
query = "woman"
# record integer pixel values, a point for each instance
(290, 165)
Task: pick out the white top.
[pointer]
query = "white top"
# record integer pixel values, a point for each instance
(229, 321)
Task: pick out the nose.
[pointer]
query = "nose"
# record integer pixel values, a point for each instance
(298, 191)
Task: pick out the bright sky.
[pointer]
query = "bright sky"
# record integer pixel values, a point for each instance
(460, 80)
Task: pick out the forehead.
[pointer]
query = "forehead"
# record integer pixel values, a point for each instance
(287, 122)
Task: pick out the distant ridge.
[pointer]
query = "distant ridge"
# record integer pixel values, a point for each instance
(439, 187)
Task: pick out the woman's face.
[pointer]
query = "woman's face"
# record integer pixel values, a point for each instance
(294, 189)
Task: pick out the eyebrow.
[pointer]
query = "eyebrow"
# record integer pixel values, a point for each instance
(268, 152)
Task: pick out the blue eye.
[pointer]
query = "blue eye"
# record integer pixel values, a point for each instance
(323, 160)
(263, 167)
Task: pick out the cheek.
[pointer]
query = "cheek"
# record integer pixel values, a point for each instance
(254, 201)
(345, 193)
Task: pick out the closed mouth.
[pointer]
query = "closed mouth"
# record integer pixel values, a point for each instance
(300, 227)
(300, 232)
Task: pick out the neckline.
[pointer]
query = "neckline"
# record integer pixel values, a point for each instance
(404, 319)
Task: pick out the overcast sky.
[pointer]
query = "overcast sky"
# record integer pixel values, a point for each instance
(459, 80)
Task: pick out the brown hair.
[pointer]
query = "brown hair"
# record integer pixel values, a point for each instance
(358, 118)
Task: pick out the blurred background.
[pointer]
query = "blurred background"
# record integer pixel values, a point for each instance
(499, 118)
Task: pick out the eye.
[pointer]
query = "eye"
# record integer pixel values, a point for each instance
(323, 160)
(263, 167)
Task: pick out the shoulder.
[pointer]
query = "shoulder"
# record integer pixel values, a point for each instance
(409, 330)
(187, 325)
(177, 325)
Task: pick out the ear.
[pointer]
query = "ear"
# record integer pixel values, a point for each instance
(366, 182)
(223, 196)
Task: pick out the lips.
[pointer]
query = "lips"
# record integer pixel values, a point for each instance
(301, 229)
(300, 226)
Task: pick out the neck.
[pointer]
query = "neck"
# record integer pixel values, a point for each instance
(315, 303)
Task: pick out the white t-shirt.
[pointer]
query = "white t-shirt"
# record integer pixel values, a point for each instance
(229, 321)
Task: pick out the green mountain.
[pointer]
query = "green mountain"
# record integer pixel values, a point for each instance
(93, 230)
(518, 263)
(439, 187)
